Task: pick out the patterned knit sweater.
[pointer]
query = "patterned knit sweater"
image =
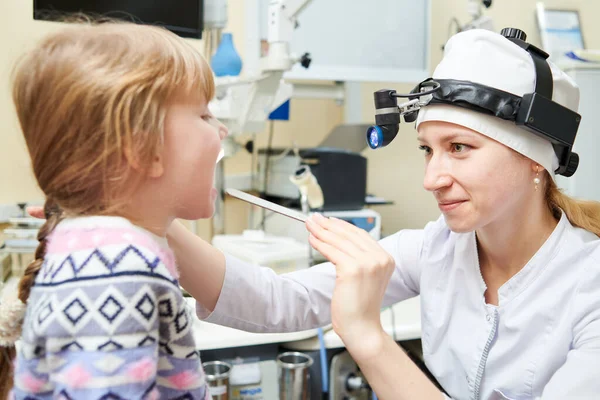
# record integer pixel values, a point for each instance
(106, 319)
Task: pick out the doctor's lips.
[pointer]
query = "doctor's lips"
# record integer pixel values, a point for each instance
(449, 205)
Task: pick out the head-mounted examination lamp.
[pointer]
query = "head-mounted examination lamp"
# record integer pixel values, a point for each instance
(535, 112)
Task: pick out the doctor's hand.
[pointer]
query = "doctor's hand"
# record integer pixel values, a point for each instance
(363, 270)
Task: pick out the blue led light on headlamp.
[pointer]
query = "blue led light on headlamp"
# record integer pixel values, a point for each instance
(374, 137)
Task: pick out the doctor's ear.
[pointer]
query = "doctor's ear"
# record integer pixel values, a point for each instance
(537, 168)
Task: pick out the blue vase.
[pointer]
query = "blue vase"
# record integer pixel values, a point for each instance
(226, 61)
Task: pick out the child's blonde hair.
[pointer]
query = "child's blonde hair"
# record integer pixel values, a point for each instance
(90, 99)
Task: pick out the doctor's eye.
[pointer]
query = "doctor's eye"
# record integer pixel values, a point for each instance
(460, 147)
(425, 149)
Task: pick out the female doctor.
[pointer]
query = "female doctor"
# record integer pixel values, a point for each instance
(508, 276)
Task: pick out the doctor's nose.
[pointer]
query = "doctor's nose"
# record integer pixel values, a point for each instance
(436, 175)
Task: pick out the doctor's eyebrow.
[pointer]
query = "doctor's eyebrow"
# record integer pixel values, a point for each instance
(451, 137)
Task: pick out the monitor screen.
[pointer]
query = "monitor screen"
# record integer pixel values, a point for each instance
(183, 17)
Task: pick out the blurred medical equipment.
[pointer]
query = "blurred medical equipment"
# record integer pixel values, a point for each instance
(252, 379)
(294, 376)
(20, 243)
(347, 382)
(243, 104)
(342, 176)
(535, 112)
(264, 373)
(478, 19)
(311, 194)
(217, 377)
(336, 164)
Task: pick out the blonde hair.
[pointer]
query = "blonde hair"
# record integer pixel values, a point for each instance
(581, 213)
(89, 99)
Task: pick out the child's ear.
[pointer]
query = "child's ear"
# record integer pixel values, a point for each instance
(155, 169)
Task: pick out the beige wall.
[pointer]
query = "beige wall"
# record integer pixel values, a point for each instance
(394, 172)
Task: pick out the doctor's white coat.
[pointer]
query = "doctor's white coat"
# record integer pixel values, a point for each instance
(542, 341)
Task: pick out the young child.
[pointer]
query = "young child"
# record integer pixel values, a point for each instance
(121, 141)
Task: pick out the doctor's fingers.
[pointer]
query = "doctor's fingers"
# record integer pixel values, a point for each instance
(347, 267)
(373, 256)
(359, 235)
(334, 239)
(361, 238)
(365, 265)
(342, 229)
(336, 256)
(369, 260)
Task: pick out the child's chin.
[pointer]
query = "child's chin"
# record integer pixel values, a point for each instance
(204, 213)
